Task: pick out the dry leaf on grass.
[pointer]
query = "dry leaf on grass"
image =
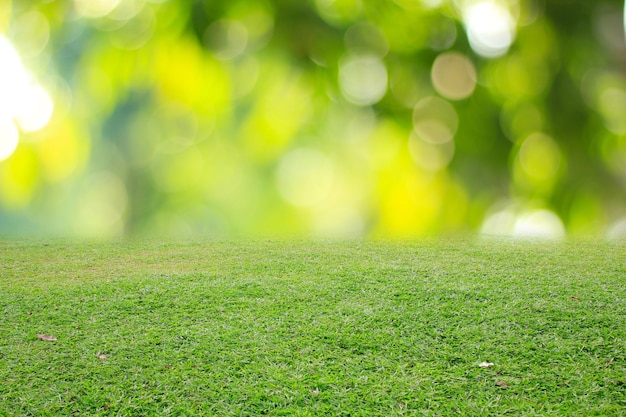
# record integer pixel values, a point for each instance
(485, 364)
(46, 337)
(101, 355)
(575, 298)
(502, 384)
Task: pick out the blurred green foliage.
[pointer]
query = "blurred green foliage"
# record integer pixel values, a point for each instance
(321, 118)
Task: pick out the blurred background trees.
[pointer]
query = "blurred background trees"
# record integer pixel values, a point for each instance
(391, 118)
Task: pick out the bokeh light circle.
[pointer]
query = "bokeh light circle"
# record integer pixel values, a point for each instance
(36, 110)
(305, 177)
(526, 224)
(490, 28)
(226, 38)
(435, 120)
(453, 75)
(95, 8)
(363, 79)
(539, 224)
(430, 156)
(540, 158)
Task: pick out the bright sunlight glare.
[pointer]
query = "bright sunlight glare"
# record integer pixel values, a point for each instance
(21, 100)
(13, 78)
(36, 110)
(490, 28)
(535, 224)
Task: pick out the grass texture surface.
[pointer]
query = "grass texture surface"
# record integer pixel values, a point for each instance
(305, 328)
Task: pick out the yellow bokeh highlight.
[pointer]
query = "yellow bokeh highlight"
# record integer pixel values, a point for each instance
(5, 15)
(119, 66)
(345, 211)
(409, 204)
(409, 200)
(538, 164)
(305, 177)
(19, 178)
(454, 210)
(63, 150)
(384, 144)
(185, 74)
(283, 107)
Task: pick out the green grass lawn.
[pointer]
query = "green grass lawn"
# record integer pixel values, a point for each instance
(355, 328)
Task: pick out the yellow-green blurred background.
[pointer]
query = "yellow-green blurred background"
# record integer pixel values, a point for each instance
(341, 118)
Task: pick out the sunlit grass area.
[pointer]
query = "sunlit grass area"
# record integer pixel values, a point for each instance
(440, 328)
